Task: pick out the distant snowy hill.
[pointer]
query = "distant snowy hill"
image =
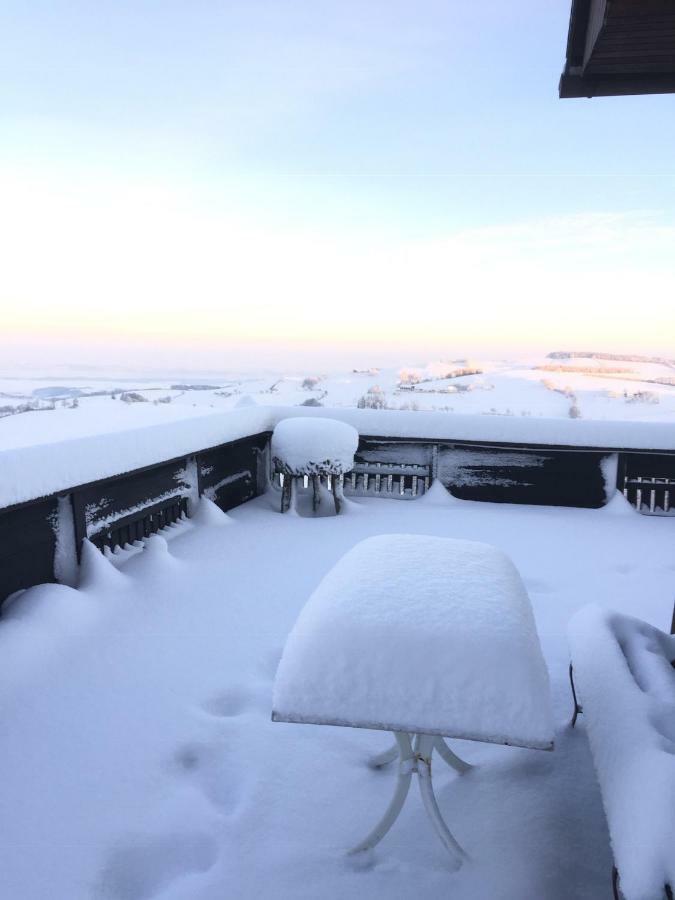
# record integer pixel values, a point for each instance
(588, 385)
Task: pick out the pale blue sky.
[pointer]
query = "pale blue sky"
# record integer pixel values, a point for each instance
(342, 121)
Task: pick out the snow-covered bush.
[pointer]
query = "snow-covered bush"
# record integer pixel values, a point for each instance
(409, 376)
(642, 397)
(375, 398)
(438, 371)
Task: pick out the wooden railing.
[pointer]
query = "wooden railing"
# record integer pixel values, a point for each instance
(40, 539)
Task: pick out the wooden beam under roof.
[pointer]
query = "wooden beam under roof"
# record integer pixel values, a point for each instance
(619, 47)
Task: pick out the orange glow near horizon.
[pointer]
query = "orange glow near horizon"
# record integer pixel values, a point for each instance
(130, 266)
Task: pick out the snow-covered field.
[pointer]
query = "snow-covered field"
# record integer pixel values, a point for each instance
(138, 756)
(42, 406)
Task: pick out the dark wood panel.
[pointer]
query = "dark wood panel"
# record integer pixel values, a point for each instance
(628, 48)
(372, 450)
(521, 476)
(27, 545)
(104, 502)
(596, 24)
(576, 37)
(615, 85)
(636, 9)
(506, 474)
(141, 524)
(229, 475)
(649, 466)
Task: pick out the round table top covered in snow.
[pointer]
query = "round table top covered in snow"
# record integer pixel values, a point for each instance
(306, 446)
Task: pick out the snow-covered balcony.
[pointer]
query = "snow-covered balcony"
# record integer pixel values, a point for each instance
(138, 755)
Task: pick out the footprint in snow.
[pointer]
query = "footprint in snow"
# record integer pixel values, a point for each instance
(209, 766)
(231, 702)
(142, 869)
(240, 699)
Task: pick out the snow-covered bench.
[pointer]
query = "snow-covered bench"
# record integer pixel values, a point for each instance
(623, 669)
(426, 637)
(315, 448)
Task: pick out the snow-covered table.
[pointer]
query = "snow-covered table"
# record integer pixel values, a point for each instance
(313, 448)
(426, 637)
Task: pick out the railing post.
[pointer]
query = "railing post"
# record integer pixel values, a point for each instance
(621, 471)
(264, 468)
(79, 521)
(198, 463)
(434, 462)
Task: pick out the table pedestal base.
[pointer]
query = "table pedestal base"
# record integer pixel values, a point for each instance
(415, 758)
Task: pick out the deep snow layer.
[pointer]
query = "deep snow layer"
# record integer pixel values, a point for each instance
(31, 465)
(138, 756)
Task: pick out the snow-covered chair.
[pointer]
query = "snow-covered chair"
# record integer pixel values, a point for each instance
(625, 678)
(315, 448)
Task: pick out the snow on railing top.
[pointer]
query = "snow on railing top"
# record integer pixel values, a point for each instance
(40, 469)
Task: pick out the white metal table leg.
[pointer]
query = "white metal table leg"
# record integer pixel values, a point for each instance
(446, 754)
(424, 747)
(405, 771)
(416, 758)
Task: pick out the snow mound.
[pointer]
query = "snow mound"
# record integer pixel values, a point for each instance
(156, 546)
(420, 634)
(438, 495)
(626, 684)
(44, 604)
(618, 505)
(208, 513)
(96, 570)
(314, 446)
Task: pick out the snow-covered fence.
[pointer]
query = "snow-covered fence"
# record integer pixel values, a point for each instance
(40, 540)
(554, 477)
(122, 486)
(406, 480)
(498, 474)
(648, 482)
(650, 493)
(512, 473)
(375, 479)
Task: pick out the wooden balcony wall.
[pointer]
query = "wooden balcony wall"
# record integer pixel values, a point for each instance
(129, 507)
(125, 508)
